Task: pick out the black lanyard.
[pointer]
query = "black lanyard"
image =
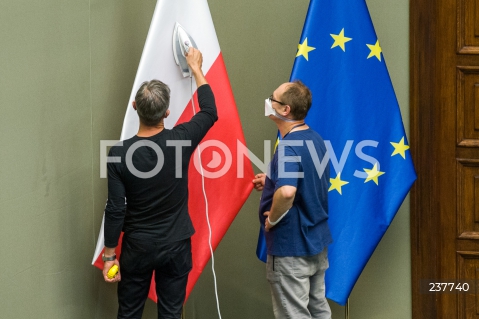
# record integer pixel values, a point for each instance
(298, 125)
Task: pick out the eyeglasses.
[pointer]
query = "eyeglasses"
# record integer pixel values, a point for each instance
(273, 100)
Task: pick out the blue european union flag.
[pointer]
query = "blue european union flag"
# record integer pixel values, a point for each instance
(356, 112)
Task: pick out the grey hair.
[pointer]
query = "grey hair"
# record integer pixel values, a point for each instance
(152, 100)
(299, 98)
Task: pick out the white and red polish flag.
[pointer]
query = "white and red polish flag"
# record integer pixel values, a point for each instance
(227, 185)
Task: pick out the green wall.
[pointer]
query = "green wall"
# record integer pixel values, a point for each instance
(66, 72)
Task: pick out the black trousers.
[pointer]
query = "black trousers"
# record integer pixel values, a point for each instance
(139, 258)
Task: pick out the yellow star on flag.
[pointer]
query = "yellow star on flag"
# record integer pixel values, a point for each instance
(340, 40)
(375, 50)
(373, 174)
(400, 148)
(337, 183)
(303, 49)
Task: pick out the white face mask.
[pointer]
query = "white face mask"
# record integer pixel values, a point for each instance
(268, 110)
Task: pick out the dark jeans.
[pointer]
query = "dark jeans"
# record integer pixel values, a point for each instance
(171, 263)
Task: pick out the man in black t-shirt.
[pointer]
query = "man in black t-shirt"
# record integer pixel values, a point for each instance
(148, 199)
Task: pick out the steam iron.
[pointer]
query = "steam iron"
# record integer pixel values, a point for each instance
(182, 42)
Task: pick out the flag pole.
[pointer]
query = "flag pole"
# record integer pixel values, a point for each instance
(347, 310)
(183, 313)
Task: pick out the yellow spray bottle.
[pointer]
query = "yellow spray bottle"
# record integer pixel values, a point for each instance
(112, 272)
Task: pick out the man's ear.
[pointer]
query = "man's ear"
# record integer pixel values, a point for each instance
(166, 113)
(287, 110)
(134, 105)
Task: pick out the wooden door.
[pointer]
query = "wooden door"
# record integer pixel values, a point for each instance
(444, 68)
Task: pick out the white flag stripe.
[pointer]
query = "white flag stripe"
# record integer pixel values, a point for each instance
(100, 244)
(157, 61)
